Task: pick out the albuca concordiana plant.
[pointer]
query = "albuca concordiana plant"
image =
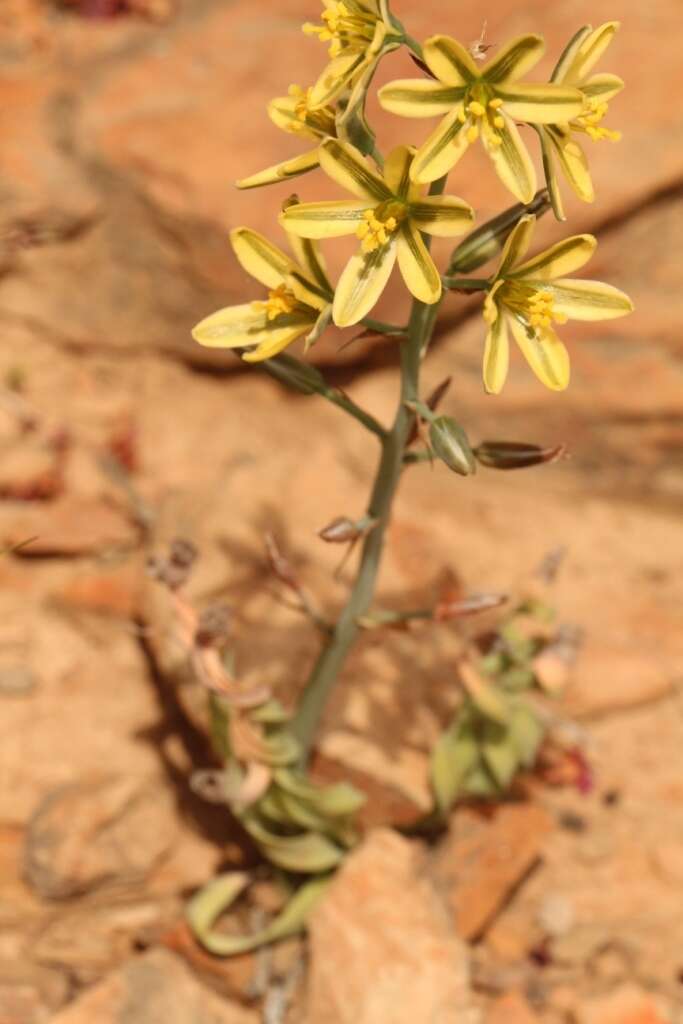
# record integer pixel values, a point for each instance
(394, 205)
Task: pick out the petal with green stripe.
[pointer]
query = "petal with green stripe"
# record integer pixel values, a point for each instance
(277, 339)
(589, 300)
(397, 170)
(449, 61)
(324, 220)
(603, 87)
(339, 73)
(573, 162)
(514, 60)
(417, 266)
(563, 68)
(416, 97)
(291, 168)
(260, 258)
(442, 150)
(516, 245)
(232, 327)
(540, 104)
(496, 355)
(510, 158)
(560, 259)
(310, 259)
(362, 283)
(442, 216)
(351, 170)
(545, 354)
(592, 49)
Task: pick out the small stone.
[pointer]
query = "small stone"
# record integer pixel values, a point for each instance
(485, 857)
(151, 988)
(86, 834)
(381, 945)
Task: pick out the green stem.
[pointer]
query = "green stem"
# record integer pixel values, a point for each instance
(466, 284)
(333, 655)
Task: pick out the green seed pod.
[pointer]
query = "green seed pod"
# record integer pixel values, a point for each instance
(449, 443)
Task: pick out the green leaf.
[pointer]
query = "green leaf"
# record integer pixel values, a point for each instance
(219, 721)
(270, 713)
(338, 800)
(500, 753)
(308, 853)
(454, 755)
(526, 731)
(215, 898)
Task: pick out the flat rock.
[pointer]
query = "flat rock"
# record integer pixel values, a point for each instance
(154, 988)
(381, 944)
(485, 857)
(86, 834)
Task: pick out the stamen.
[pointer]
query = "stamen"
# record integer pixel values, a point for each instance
(533, 306)
(279, 301)
(377, 227)
(343, 28)
(589, 122)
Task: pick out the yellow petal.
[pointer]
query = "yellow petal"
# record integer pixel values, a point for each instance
(397, 170)
(511, 159)
(275, 342)
(592, 49)
(417, 266)
(416, 97)
(307, 292)
(516, 245)
(563, 68)
(573, 162)
(324, 220)
(234, 327)
(441, 216)
(339, 73)
(562, 258)
(283, 171)
(589, 300)
(361, 283)
(551, 177)
(541, 104)
(283, 113)
(260, 258)
(496, 356)
(545, 354)
(442, 149)
(514, 60)
(349, 168)
(603, 87)
(310, 259)
(449, 61)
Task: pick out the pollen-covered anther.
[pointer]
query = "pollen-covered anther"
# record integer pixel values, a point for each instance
(342, 28)
(375, 230)
(540, 312)
(480, 114)
(279, 301)
(590, 123)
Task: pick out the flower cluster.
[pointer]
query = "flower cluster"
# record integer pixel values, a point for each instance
(398, 203)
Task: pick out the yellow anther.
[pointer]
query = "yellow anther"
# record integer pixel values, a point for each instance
(344, 28)
(495, 140)
(279, 301)
(462, 116)
(375, 230)
(496, 103)
(499, 122)
(476, 108)
(589, 122)
(472, 133)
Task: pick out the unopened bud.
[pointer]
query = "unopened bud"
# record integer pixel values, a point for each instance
(514, 455)
(342, 530)
(449, 443)
(486, 242)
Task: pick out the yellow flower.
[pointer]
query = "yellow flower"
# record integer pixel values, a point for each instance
(388, 217)
(480, 103)
(293, 113)
(574, 70)
(359, 33)
(299, 299)
(528, 297)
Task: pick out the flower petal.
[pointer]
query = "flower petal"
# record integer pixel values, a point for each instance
(362, 282)
(496, 355)
(511, 159)
(516, 245)
(276, 340)
(319, 327)
(563, 68)
(232, 327)
(339, 73)
(417, 97)
(324, 220)
(282, 112)
(603, 87)
(573, 162)
(562, 258)
(442, 216)
(349, 168)
(306, 292)
(545, 354)
(592, 49)
(551, 176)
(283, 171)
(589, 300)
(541, 104)
(514, 60)
(397, 170)
(310, 259)
(260, 258)
(449, 61)
(417, 266)
(442, 150)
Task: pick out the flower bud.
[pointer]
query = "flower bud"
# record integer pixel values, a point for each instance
(297, 375)
(449, 443)
(486, 242)
(515, 455)
(342, 530)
